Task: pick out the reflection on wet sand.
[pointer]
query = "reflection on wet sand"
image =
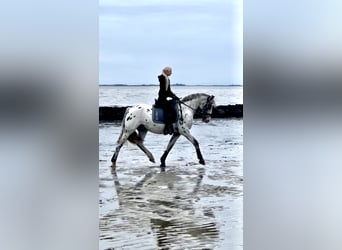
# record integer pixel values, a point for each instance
(160, 200)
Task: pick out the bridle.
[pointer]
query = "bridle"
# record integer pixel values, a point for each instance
(206, 108)
(204, 111)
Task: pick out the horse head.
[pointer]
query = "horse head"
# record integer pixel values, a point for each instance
(207, 108)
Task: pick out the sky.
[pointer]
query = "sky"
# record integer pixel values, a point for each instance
(200, 39)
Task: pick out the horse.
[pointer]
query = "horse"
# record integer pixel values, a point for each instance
(137, 121)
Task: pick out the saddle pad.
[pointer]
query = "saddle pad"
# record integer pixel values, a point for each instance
(158, 115)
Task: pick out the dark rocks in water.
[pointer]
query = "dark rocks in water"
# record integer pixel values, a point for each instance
(225, 111)
(113, 113)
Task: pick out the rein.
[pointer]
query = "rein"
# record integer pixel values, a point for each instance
(186, 105)
(180, 110)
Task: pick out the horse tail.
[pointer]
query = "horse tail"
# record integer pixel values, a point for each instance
(123, 124)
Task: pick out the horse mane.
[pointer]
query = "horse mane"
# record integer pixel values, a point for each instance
(193, 96)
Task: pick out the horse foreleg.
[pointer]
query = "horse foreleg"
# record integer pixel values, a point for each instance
(172, 142)
(194, 142)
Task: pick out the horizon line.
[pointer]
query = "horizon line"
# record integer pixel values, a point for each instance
(176, 84)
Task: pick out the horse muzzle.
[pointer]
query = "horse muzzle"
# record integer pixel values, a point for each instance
(206, 118)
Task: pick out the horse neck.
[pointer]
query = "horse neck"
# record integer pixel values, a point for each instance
(194, 104)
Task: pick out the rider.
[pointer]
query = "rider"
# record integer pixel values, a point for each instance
(164, 92)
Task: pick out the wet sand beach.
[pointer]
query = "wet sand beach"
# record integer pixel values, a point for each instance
(188, 206)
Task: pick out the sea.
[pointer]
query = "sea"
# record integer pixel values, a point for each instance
(131, 95)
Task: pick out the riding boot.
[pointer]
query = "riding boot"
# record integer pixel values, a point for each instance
(168, 123)
(168, 129)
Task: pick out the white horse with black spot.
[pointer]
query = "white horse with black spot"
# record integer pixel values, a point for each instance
(137, 121)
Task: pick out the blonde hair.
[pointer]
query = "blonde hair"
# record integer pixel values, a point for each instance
(167, 69)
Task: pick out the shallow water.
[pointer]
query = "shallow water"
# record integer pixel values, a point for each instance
(189, 206)
(132, 95)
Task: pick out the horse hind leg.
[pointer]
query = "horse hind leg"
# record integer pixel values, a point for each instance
(124, 134)
(146, 151)
(138, 139)
(122, 139)
(142, 134)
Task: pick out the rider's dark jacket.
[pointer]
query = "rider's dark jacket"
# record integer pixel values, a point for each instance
(164, 90)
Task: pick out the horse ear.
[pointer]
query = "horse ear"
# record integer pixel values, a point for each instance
(210, 98)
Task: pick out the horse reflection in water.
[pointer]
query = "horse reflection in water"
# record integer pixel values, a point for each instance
(137, 121)
(160, 208)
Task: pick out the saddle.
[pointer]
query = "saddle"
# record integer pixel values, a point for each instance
(158, 113)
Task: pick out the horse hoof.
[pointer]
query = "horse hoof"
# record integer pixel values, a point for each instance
(113, 170)
(113, 166)
(152, 160)
(162, 167)
(202, 162)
